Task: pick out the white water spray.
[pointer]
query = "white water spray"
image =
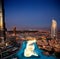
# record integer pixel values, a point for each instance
(29, 51)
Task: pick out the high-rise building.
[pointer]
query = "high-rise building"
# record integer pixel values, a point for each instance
(14, 31)
(2, 21)
(54, 29)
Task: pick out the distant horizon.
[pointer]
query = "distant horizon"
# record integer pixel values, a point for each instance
(58, 29)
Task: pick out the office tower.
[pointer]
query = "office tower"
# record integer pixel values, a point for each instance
(14, 31)
(54, 29)
(2, 22)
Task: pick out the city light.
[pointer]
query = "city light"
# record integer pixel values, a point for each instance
(1, 21)
(29, 50)
(54, 29)
(54, 24)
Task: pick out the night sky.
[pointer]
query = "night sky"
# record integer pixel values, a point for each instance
(31, 13)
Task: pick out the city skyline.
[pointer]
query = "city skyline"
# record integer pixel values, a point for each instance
(31, 13)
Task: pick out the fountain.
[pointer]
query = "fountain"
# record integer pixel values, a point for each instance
(29, 50)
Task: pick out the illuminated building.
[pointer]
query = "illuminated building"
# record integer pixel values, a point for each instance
(2, 22)
(54, 29)
(14, 31)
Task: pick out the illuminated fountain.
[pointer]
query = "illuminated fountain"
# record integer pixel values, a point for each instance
(54, 29)
(29, 50)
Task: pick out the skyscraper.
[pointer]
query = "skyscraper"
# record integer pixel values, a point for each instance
(54, 29)
(2, 21)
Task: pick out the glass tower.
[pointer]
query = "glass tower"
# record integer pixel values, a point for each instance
(54, 29)
(2, 22)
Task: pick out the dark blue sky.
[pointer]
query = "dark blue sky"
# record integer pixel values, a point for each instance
(31, 13)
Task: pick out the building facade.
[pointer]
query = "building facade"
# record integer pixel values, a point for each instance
(54, 29)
